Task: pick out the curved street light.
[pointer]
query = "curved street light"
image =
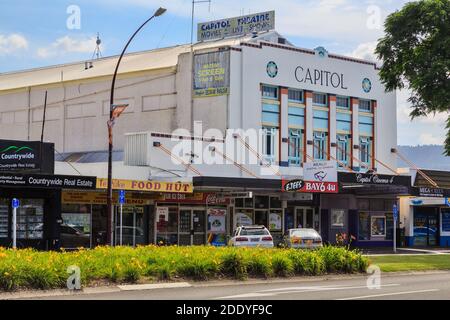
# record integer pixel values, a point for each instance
(112, 116)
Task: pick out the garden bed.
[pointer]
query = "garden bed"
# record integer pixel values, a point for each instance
(30, 269)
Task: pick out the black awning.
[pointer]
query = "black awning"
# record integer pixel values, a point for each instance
(47, 181)
(350, 178)
(237, 183)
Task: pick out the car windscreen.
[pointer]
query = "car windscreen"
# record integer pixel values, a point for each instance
(304, 234)
(254, 232)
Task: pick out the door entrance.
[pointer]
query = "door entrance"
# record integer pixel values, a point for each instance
(426, 227)
(307, 218)
(133, 228)
(192, 227)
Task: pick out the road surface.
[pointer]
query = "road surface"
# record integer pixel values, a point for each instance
(416, 286)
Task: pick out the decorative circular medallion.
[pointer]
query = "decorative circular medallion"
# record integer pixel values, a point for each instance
(272, 69)
(366, 85)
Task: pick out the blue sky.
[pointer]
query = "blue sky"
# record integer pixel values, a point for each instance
(34, 33)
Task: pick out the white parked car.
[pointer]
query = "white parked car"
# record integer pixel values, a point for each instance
(251, 236)
(303, 238)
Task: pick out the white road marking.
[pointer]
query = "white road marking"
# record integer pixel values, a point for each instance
(325, 288)
(278, 291)
(389, 294)
(154, 286)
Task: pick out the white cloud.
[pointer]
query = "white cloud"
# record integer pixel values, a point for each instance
(12, 43)
(428, 138)
(67, 44)
(324, 19)
(365, 51)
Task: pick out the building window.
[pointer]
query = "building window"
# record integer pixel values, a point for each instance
(296, 117)
(365, 146)
(365, 125)
(343, 102)
(320, 145)
(295, 95)
(365, 105)
(295, 146)
(269, 134)
(269, 92)
(320, 99)
(271, 114)
(343, 122)
(320, 119)
(343, 148)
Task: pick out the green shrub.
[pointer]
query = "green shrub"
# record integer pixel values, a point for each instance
(27, 268)
(234, 264)
(282, 265)
(131, 274)
(260, 265)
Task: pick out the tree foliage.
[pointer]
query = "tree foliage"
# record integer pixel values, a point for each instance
(416, 55)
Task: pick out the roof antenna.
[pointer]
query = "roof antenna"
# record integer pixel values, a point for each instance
(97, 51)
(194, 2)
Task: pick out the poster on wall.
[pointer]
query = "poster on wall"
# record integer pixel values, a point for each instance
(275, 221)
(162, 213)
(216, 220)
(242, 219)
(320, 171)
(378, 226)
(211, 74)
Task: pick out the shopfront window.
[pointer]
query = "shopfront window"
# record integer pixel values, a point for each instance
(167, 225)
(242, 217)
(378, 226)
(275, 220)
(4, 218)
(75, 231)
(261, 202)
(445, 219)
(364, 226)
(261, 218)
(337, 218)
(30, 219)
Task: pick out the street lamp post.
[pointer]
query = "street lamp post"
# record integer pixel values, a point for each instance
(110, 213)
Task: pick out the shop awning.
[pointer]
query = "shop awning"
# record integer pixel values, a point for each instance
(225, 183)
(373, 184)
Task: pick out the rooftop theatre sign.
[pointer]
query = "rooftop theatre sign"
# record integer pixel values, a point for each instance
(219, 29)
